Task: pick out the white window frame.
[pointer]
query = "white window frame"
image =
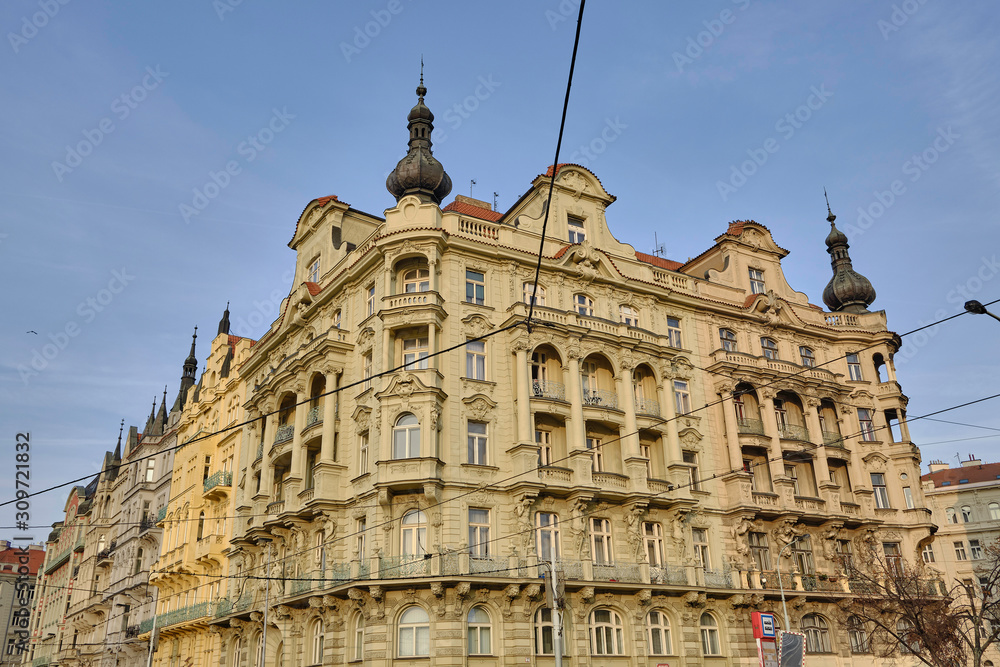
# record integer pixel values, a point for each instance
(416, 629)
(370, 300)
(475, 359)
(807, 356)
(607, 635)
(417, 280)
(960, 553)
(547, 530)
(317, 642)
(406, 437)
(727, 339)
(528, 289)
(363, 443)
(817, 632)
(479, 532)
(652, 533)
(769, 348)
(596, 450)
(361, 535)
(629, 315)
(880, 491)
(710, 643)
(682, 397)
(475, 287)
(479, 632)
(867, 423)
(543, 628)
(674, 337)
(854, 368)
(601, 542)
(413, 534)
(583, 304)
(975, 550)
(702, 554)
(544, 441)
(415, 351)
(359, 638)
(314, 270)
(366, 369)
(478, 440)
(658, 628)
(576, 229)
(757, 284)
(151, 470)
(927, 553)
(966, 514)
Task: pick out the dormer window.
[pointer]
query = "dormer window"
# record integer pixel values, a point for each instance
(577, 234)
(314, 271)
(757, 281)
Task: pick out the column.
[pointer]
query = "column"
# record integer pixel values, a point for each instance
(725, 393)
(777, 465)
(522, 374)
(670, 410)
(298, 456)
(270, 427)
(816, 437)
(577, 431)
(630, 443)
(329, 415)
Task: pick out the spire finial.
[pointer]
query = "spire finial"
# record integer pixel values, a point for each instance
(120, 429)
(829, 214)
(421, 90)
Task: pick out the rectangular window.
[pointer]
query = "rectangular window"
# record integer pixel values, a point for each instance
(674, 333)
(576, 230)
(530, 292)
(596, 454)
(867, 426)
(629, 316)
(893, 556)
(477, 443)
(691, 458)
(975, 550)
(960, 551)
(547, 535)
(927, 553)
(370, 302)
(845, 555)
(699, 538)
(759, 551)
(757, 282)
(881, 492)
(544, 441)
(475, 360)
(908, 497)
(150, 470)
(314, 271)
(366, 370)
(653, 536)
(363, 453)
(600, 542)
(748, 468)
(803, 556)
(415, 352)
(475, 287)
(584, 305)
(854, 367)
(361, 533)
(792, 474)
(646, 452)
(479, 533)
(682, 397)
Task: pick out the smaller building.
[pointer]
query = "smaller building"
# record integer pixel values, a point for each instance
(17, 595)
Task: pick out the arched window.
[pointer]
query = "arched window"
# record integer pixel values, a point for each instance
(201, 525)
(658, 627)
(770, 348)
(414, 534)
(237, 649)
(259, 658)
(858, 636)
(101, 542)
(406, 437)
(710, 644)
(480, 632)
(317, 642)
(606, 634)
(414, 633)
(817, 633)
(358, 650)
(995, 511)
(529, 290)
(952, 517)
(728, 340)
(544, 639)
(909, 642)
(808, 358)
(137, 566)
(966, 514)
(584, 305)
(279, 655)
(417, 280)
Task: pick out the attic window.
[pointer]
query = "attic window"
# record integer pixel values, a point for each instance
(576, 231)
(945, 483)
(963, 481)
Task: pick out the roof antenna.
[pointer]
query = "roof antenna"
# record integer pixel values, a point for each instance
(472, 182)
(660, 249)
(495, 201)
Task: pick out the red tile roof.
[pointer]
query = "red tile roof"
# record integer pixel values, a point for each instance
(986, 472)
(667, 264)
(473, 211)
(322, 201)
(562, 251)
(313, 288)
(750, 299)
(35, 558)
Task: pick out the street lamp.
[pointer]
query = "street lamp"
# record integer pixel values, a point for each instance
(265, 542)
(977, 308)
(781, 585)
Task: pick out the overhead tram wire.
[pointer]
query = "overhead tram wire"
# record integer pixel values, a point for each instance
(555, 165)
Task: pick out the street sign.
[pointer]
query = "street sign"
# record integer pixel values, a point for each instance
(791, 649)
(767, 651)
(763, 625)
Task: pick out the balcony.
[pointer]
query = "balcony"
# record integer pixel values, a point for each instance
(398, 567)
(600, 398)
(314, 416)
(647, 406)
(545, 389)
(276, 508)
(793, 432)
(222, 478)
(833, 439)
(284, 433)
(750, 426)
(147, 523)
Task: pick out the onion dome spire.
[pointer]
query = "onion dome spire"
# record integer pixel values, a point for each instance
(419, 173)
(848, 290)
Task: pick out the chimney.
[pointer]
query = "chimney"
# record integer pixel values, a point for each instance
(971, 462)
(937, 466)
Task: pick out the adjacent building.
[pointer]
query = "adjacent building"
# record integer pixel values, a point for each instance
(19, 567)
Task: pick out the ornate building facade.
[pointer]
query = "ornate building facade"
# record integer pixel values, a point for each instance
(681, 439)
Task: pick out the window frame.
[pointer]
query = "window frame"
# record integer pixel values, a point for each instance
(363, 452)
(410, 442)
(479, 533)
(699, 543)
(817, 633)
(854, 368)
(475, 288)
(414, 350)
(576, 229)
(527, 289)
(318, 638)
(543, 439)
(960, 552)
(652, 534)
(661, 627)
(478, 443)
(583, 304)
(547, 530)
(602, 549)
(711, 644)
(418, 278)
(607, 637)
(543, 629)
(479, 627)
(880, 491)
(675, 336)
(370, 300)
(314, 268)
(415, 627)
(629, 316)
(727, 339)
(413, 534)
(682, 396)
(807, 356)
(596, 449)
(475, 359)
(866, 420)
(757, 283)
(927, 553)
(769, 348)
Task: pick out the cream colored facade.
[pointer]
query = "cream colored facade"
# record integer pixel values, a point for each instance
(197, 520)
(407, 513)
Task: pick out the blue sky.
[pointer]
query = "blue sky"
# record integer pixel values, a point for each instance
(161, 96)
